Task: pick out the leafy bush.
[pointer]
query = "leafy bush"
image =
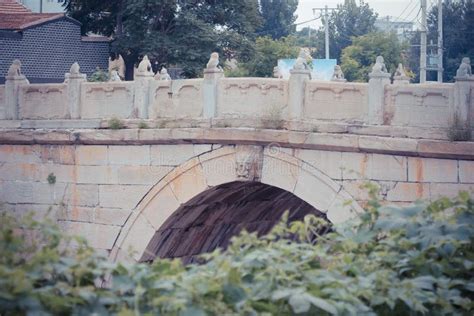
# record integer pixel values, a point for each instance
(390, 261)
(98, 75)
(116, 123)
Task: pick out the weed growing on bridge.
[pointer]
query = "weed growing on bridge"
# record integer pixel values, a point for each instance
(391, 261)
(115, 123)
(143, 125)
(272, 118)
(51, 178)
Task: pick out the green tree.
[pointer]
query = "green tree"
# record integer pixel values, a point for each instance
(358, 58)
(458, 33)
(278, 18)
(312, 39)
(172, 31)
(348, 21)
(267, 53)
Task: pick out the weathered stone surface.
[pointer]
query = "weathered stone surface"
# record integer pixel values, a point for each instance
(440, 149)
(328, 162)
(81, 195)
(60, 124)
(32, 192)
(188, 182)
(174, 155)
(98, 236)
(141, 174)
(439, 190)
(138, 237)
(161, 207)
(432, 170)
(387, 145)
(408, 192)
(91, 155)
(121, 196)
(36, 172)
(97, 215)
(97, 174)
(466, 171)
(129, 155)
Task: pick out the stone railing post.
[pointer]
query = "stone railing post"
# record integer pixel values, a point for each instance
(212, 74)
(378, 79)
(296, 89)
(14, 80)
(143, 77)
(74, 79)
(463, 95)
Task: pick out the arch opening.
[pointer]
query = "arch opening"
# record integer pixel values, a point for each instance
(210, 219)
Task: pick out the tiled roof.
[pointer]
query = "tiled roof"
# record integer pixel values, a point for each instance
(20, 21)
(12, 7)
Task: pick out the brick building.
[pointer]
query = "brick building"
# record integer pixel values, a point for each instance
(47, 44)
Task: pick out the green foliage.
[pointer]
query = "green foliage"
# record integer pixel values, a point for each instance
(268, 51)
(175, 32)
(143, 125)
(357, 60)
(348, 21)
(389, 261)
(278, 18)
(98, 76)
(115, 123)
(51, 178)
(312, 39)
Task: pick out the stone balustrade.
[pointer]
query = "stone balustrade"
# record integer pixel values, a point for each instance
(299, 99)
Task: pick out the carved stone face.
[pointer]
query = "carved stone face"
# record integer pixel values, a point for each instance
(243, 169)
(379, 60)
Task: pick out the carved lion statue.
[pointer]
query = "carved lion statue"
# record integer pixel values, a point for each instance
(15, 68)
(213, 62)
(379, 66)
(464, 69)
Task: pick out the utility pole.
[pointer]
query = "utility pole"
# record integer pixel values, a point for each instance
(440, 40)
(423, 43)
(326, 26)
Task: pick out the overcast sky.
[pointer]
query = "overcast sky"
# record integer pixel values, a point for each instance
(407, 10)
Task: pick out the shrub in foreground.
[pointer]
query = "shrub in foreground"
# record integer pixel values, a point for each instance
(390, 261)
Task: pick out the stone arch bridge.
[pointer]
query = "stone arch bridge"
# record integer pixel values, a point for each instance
(186, 164)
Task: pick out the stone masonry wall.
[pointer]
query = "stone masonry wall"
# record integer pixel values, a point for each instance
(97, 186)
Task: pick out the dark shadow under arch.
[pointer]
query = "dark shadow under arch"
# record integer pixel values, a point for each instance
(210, 219)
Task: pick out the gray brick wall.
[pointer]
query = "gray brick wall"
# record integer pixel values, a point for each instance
(48, 51)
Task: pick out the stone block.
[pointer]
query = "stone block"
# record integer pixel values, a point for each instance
(97, 235)
(174, 155)
(31, 192)
(97, 174)
(129, 155)
(189, 183)
(60, 124)
(342, 209)
(220, 168)
(388, 167)
(388, 145)
(121, 196)
(439, 190)
(91, 155)
(280, 173)
(432, 170)
(64, 155)
(19, 154)
(355, 165)
(97, 215)
(138, 237)
(315, 188)
(161, 207)
(328, 162)
(409, 192)
(82, 195)
(142, 174)
(466, 171)
(36, 172)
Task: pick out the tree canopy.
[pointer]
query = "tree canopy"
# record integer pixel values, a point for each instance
(413, 260)
(458, 33)
(278, 18)
(348, 21)
(172, 31)
(358, 58)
